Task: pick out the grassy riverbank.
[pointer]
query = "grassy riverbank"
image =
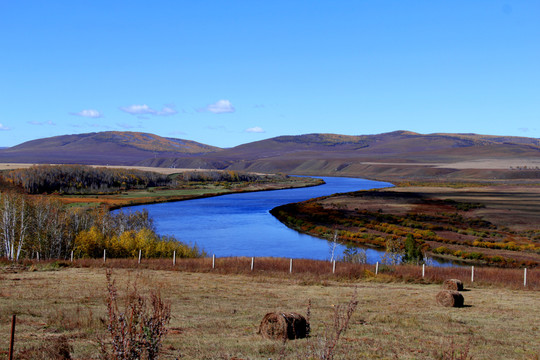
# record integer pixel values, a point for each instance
(487, 224)
(216, 315)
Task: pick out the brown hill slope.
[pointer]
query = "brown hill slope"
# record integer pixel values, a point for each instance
(390, 156)
(394, 156)
(110, 147)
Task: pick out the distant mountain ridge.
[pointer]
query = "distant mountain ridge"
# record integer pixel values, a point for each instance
(393, 155)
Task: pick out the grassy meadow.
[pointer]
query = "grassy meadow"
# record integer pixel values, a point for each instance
(216, 313)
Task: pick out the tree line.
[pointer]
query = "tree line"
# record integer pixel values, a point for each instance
(225, 176)
(80, 179)
(40, 226)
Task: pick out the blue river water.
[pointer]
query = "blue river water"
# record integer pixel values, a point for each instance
(241, 225)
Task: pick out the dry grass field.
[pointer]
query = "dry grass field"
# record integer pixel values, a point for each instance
(216, 315)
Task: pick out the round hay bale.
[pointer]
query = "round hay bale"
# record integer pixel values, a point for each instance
(450, 298)
(284, 326)
(453, 284)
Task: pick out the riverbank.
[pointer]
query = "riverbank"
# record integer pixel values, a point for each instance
(176, 184)
(480, 224)
(217, 315)
(188, 192)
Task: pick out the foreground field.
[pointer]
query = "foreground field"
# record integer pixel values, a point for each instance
(216, 316)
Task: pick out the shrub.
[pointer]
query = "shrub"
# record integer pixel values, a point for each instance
(137, 331)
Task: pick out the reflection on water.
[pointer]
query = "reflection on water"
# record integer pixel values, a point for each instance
(241, 225)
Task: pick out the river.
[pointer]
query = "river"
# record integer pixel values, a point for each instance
(241, 225)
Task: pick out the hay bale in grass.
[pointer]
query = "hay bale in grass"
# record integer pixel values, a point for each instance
(453, 284)
(450, 298)
(284, 326)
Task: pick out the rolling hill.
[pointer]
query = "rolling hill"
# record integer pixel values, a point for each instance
(110, 147)
(393, 156)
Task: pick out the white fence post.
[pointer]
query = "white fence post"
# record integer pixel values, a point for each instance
(140, 256)
(104, 254)
(525, 277)
(472, 273)
(252, 263)
(213, 261)
(290, 267)
(174, 258)
(377, 268)
(423, 270)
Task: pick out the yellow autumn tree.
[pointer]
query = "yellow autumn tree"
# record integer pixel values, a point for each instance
(90, 243)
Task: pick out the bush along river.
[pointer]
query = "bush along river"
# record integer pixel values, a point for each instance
(241, 224)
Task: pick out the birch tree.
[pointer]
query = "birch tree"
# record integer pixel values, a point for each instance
(13, 223)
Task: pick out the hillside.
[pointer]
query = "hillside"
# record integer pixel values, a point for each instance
(110, 147)
(391, 156)
(394, 156)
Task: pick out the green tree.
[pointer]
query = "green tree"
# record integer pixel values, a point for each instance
(413, 250)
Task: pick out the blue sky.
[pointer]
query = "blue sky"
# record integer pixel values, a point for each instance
(226, 73)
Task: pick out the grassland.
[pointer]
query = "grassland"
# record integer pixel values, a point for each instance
(216, 315)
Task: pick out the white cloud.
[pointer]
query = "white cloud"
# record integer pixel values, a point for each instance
(147, 110)
(167, 110)
(255, 129)
(4, 128)
(41, 123)
(220, 107)
(88, 113)
(138, 109)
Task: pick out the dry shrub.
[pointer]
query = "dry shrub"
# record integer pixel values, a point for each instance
(57, 348)
(450, 298)
(453, 284)
(137, 331)
(284, 326)
(326, 347)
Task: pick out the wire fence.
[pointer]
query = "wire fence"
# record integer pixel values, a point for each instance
(525, 278)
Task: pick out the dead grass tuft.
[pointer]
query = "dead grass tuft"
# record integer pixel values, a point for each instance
(54, 348)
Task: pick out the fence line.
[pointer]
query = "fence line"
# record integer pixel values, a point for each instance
(422, 271)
